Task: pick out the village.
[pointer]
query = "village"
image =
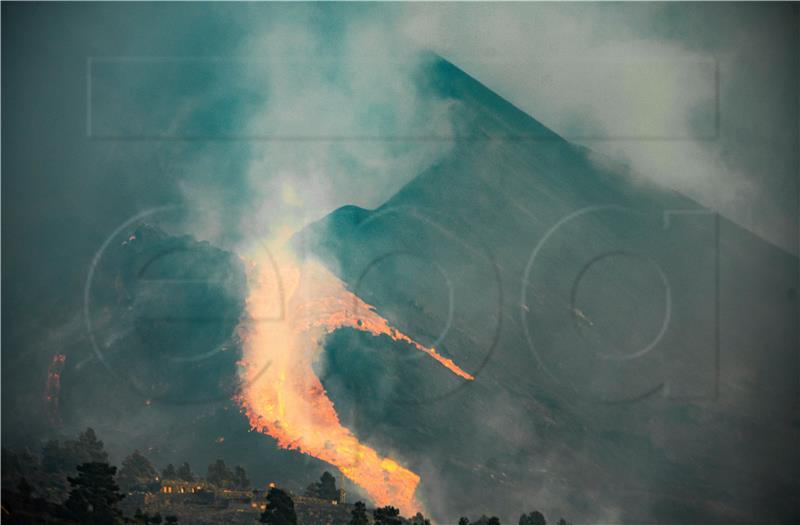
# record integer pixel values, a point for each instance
(71, 481)
(199, 502)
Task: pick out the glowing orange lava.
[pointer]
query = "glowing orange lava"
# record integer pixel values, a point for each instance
(290, 308)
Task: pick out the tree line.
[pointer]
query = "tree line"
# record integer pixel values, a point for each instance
(280, 511)
(73, 483)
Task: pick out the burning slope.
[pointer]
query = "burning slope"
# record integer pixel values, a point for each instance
(290, 308)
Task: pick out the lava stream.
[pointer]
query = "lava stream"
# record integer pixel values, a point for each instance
(290, 307)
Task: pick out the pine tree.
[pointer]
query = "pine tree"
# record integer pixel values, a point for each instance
(358, 516)
(532, 518)
(53, 457)
(137, 473)
(386, 516)
(185, 472)
(94, 495)
(169, 472)
(155, 519)
(325, 488)
(64, 458)
(25, 490)
(89, 449)
(280, 509)
(219, 474)
(240, 480)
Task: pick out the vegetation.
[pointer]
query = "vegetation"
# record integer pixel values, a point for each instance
(94, 495)
(483, 520)
(358, 516)
(185, 473)
(137, 473)
(280, 509)
(386, 516)
(240, 480)
(325, 488)
(220, 475)
(532, 518)
(169, 472)
(71, 483)
(86, 449)
(21, 506)
(155, 519)
(419, 519)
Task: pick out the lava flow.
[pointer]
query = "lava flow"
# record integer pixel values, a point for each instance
(291, 306)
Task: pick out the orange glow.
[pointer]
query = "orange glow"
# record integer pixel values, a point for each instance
(52, 389)
(290, 308)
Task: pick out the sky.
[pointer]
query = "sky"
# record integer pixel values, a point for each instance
(699, 98)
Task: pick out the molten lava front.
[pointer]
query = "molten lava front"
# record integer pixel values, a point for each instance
(290, 308)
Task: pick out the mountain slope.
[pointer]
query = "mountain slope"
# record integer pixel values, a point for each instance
(634, 354)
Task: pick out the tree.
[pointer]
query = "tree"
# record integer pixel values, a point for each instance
(325, 488)
(358, 516)
(137, 473)
(90, 449)
(64, 458)
(94, 495)
(532, 518)
(494, 520)
(25, 490)
(169, 472)
(53, 459)
(185, 472)
(240, 480)
(463, 521)
(155, 519)
(22, 507)
(386, 516)
(219, 474)
(280, 509)
(562, 521)
(144, 517)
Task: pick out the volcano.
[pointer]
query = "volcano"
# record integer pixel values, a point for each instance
(634, 354)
